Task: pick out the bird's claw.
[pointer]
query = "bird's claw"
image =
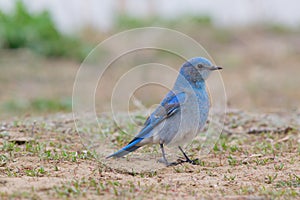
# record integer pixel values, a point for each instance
(193, 161)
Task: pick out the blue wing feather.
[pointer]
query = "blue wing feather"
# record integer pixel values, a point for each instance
(169, 106)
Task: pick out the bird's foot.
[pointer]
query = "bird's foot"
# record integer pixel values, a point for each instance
(194, 161)
(187, 159)
(191, 161)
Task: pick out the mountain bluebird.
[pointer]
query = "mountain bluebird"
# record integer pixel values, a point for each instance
(181, 114)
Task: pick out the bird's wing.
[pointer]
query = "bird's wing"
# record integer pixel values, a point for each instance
(168, 107)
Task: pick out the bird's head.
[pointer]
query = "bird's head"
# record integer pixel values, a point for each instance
(197, 69)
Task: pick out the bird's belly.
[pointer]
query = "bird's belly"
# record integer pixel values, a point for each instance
(186, 133)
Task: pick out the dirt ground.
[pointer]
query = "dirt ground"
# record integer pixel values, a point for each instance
(257, 157)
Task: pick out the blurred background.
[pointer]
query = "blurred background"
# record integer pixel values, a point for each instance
(42, 44)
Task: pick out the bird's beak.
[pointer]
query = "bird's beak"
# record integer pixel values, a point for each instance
(215, 68)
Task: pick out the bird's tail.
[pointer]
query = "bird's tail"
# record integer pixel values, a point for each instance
(132, 146)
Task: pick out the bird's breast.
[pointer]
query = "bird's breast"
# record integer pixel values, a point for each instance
(191, 120)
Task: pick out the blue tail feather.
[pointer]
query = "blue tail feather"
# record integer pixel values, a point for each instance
(132, 146)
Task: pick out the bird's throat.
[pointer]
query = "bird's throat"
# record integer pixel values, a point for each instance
(198, 84)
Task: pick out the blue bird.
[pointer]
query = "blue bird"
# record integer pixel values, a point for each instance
(181, 115)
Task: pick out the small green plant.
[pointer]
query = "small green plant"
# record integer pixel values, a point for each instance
(37, 32)
(279, 167)
(234, 148)
(224, 145)
(3, 160)
(68, 190)
(232, 161)
(260, 161)
(10, 147)
(35, 172)
(216, 148)
(270, 178)
(229, 178)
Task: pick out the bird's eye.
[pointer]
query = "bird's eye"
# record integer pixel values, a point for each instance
(200, 66)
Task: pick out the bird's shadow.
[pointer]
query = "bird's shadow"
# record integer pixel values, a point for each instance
(180, 161)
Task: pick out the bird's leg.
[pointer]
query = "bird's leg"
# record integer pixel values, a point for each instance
(187, 159)
(164, 157)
